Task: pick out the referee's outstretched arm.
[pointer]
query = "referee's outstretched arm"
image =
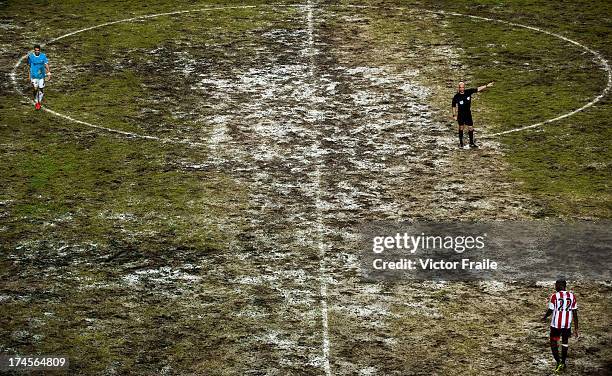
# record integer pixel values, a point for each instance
(483, 87)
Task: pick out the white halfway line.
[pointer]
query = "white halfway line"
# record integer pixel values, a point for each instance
(318, 204)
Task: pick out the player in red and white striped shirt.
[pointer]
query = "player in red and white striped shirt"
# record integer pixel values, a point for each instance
(562, 305)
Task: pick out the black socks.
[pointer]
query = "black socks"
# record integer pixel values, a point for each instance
(461, 137)
(471, 134)
(555, 351)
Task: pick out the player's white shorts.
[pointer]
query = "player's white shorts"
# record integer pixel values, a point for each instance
(38, 83)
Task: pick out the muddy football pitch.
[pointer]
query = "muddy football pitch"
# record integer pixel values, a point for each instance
(189, 200)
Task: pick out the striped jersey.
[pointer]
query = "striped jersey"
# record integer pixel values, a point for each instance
(563, 304)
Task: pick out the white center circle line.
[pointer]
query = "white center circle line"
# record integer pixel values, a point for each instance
(131, 19)
(602, 61)
(320, 226)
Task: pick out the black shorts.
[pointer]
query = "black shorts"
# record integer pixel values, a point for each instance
(465, 120)
(556, 333)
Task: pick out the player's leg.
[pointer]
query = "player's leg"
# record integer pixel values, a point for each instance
(554, 346)
(41, 90)
(35, 89)
(565, 334)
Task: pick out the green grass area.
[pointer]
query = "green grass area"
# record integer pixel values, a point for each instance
(568, 164)
(111, 328)
(62, 16)
(91, 95)
(565, 163)
(108, 183)
(120, 205)
(200, 29)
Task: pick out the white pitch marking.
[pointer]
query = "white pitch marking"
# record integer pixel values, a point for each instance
(128, 134)
(605, 64)
(318, 204)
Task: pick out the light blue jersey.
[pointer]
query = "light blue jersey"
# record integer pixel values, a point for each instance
(37, 65)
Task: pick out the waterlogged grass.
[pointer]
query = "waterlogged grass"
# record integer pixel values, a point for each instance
(118, 208)
(116, 331)
(120, 205)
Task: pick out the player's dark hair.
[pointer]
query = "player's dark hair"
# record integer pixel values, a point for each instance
(561, 283)
(37, 46)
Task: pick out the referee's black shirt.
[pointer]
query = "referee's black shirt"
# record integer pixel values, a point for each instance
(463, 101)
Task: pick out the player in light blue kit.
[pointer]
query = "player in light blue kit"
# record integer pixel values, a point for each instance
(38, 65)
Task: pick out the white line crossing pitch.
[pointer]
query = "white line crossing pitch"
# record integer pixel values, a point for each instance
(317, 175)
(318, 203)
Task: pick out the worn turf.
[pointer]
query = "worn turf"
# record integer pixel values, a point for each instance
(214, 255)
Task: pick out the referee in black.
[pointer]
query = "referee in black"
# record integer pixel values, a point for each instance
(461, 110)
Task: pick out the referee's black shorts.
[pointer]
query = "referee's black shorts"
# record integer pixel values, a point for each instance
(465, 120)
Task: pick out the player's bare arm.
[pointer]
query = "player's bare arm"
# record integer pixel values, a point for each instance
(48, 72)
(576, 333)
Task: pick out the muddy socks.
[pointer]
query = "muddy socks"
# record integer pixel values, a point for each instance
(471, 134)
(564, 352)
(461, 137)
(555, 351)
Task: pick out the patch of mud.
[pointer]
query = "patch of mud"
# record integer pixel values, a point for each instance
(309, 134)
(323, 139)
